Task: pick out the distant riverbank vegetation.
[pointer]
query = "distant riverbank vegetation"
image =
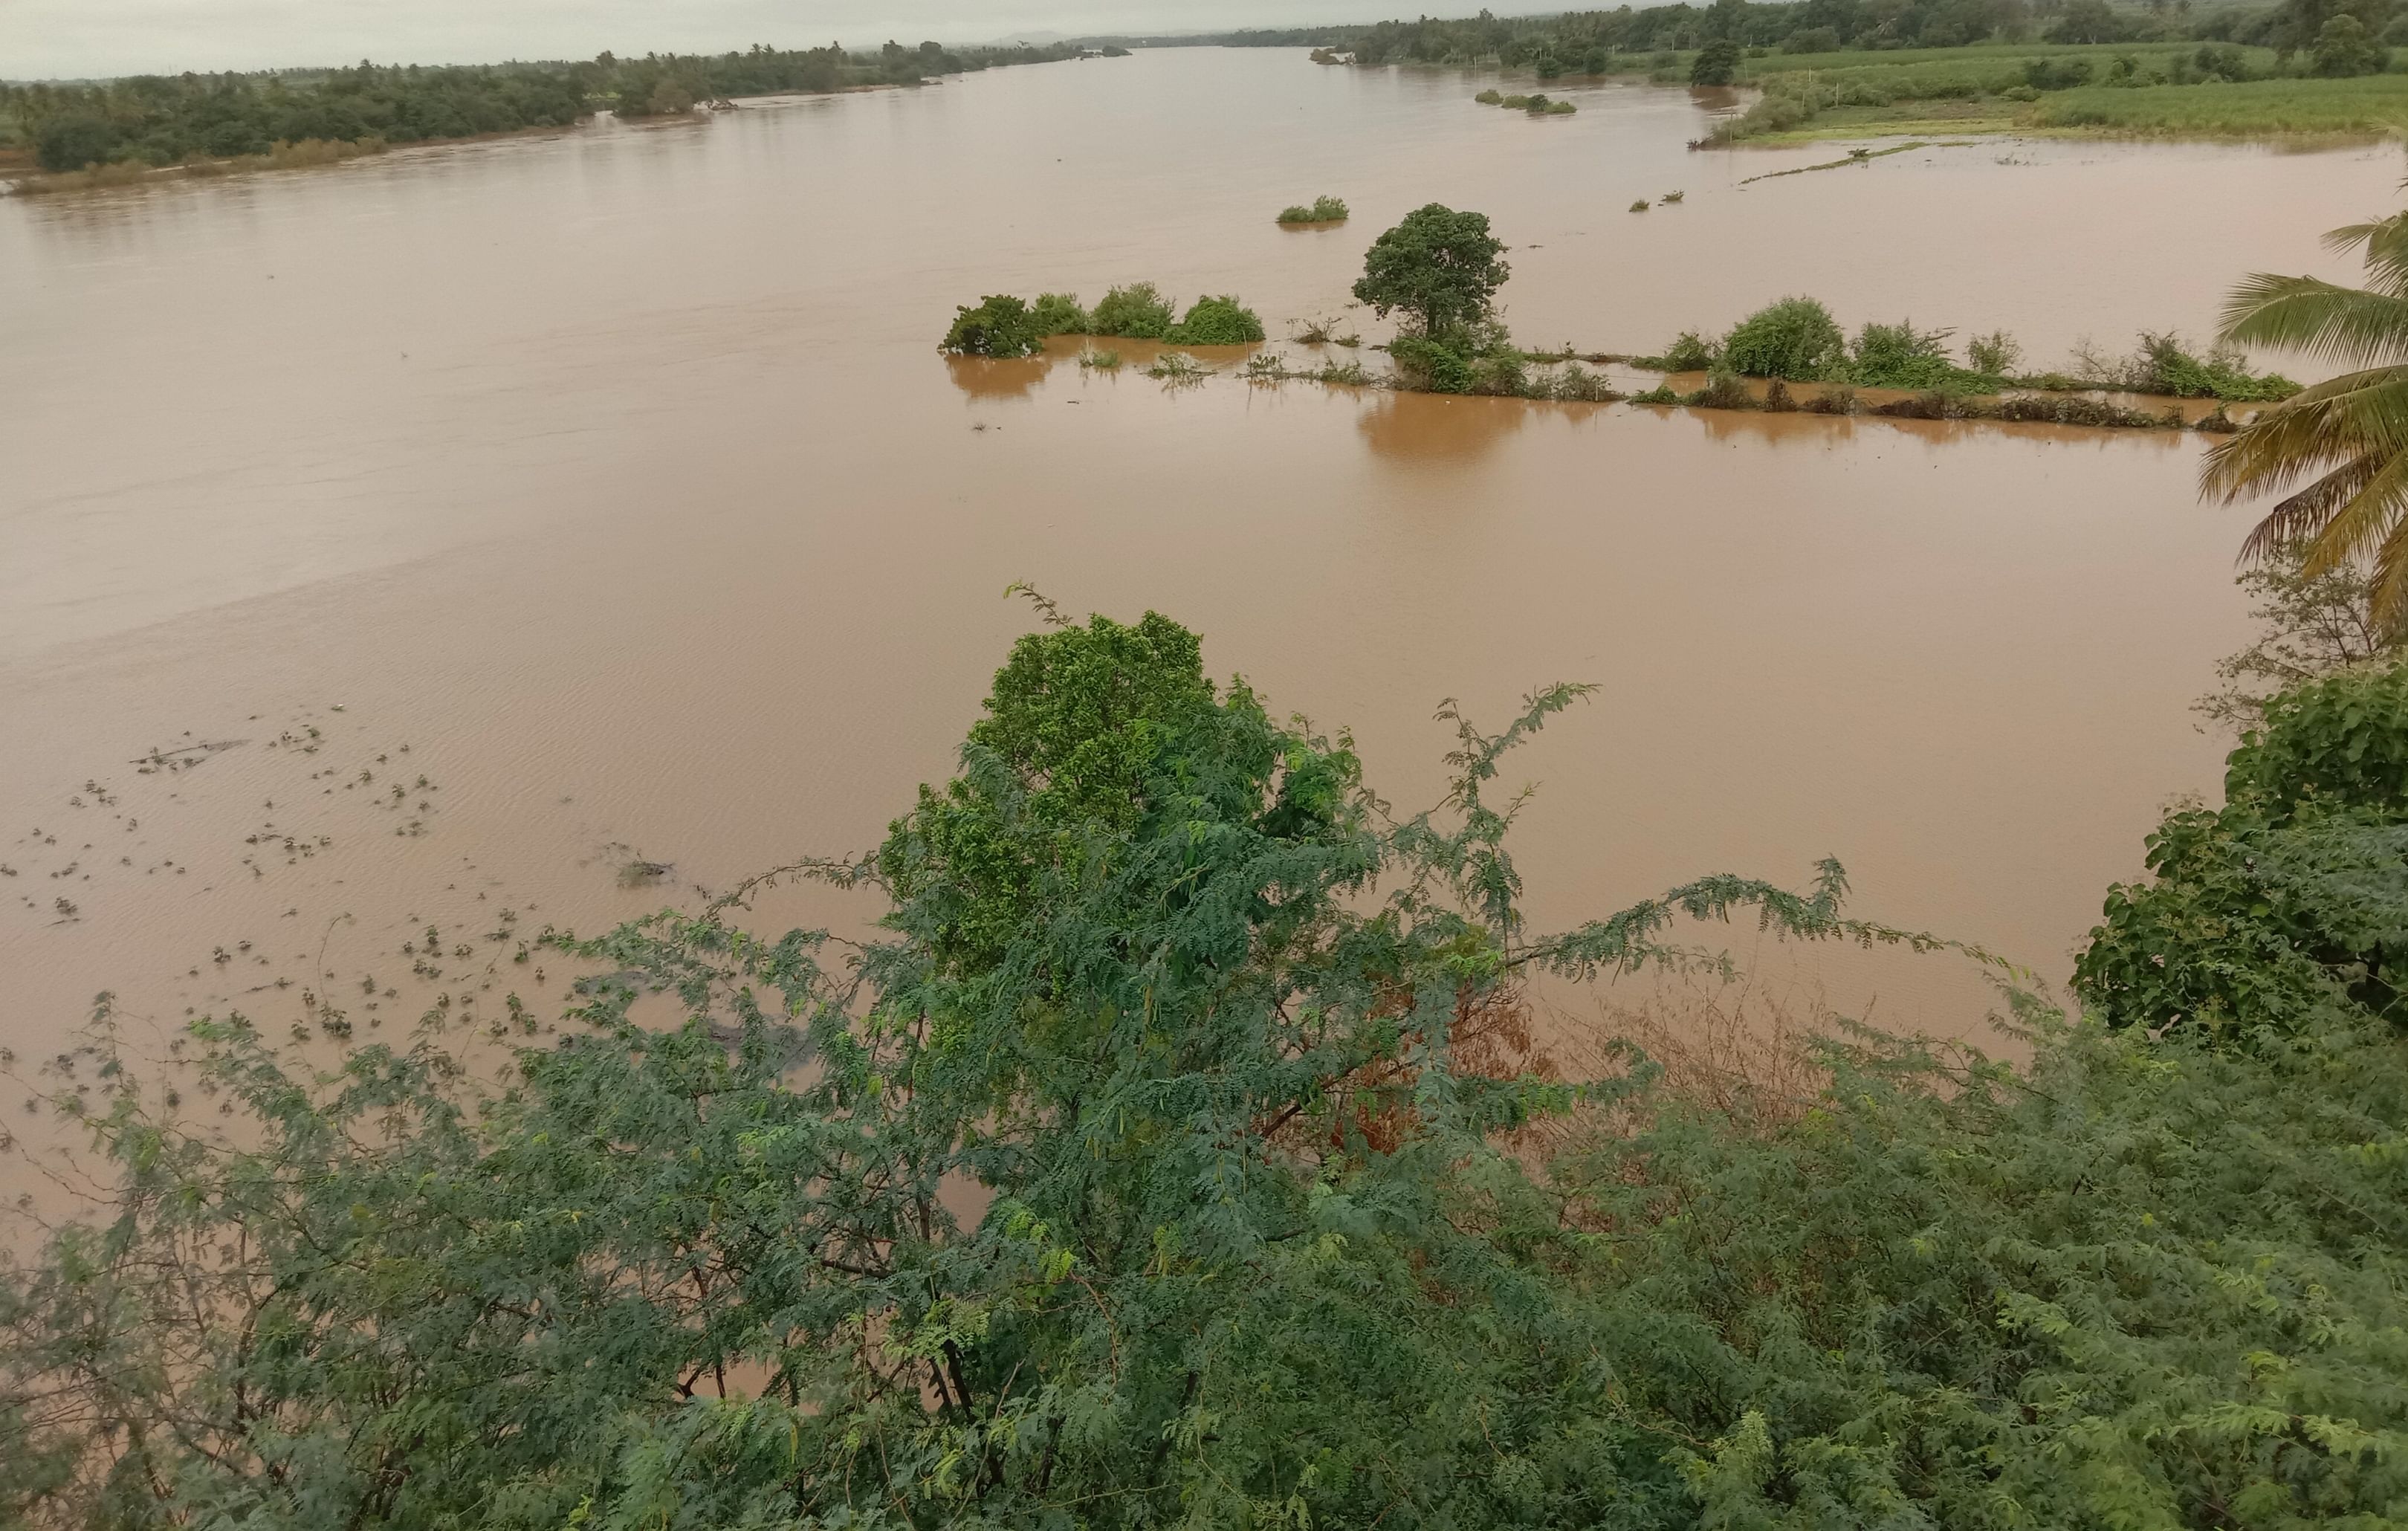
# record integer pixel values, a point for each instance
(1537, 105)
(1842, 67)
(1007, 326)
(154, 121)
(1797, 340)
(1325, 209)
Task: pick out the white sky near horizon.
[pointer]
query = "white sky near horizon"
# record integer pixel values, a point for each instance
(66, 39)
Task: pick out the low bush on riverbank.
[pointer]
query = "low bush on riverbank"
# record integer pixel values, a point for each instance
(1179, 1148)
(1058, 313)
(1797, 340)
(1537, 105)
(1325, 209)
(307, 154)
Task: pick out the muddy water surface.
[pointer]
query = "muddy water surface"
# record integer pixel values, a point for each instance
(615, 475)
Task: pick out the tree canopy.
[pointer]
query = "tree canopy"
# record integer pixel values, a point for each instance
(1440, 268)
(1183, 1152)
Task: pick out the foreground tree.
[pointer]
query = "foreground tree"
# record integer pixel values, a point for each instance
(1181, 1157)
(1440, 268)
(2346, 438)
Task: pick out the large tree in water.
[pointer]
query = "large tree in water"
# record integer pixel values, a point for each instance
(2340, 447)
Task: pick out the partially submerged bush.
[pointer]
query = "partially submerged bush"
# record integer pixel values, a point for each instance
(1058, 313)
(1688, 352)
(1135, 312)
(1490, 97)
(2162, 364)
(999, 326)
(1216, 322)
(1901, 356)
(1794, 338)
(1996, 353)
(1326, 209)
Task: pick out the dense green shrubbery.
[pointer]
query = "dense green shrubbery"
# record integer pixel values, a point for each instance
(1901, 356)
(1216, 322)
(1058, 313)
(1795, 338)
(1282, 1218)
(1135, 312)
(1000, 325)
(1325, 209)
(2262, 911)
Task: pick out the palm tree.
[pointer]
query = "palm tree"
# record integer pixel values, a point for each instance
(2347, 437)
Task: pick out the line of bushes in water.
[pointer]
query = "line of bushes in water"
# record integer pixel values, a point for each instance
(1325, 209)
(1537, 105)
(1729, 391)
(1003, 325)
(1797, 340)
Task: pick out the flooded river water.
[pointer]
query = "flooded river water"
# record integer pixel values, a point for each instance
(616, 474)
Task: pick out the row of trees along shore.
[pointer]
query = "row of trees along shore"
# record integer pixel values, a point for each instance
(165, 119)
(1594, 42)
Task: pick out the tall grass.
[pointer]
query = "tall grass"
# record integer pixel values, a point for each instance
(2369, 104)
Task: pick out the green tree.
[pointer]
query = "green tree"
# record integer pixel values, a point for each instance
(1440, 268)
(2345, 437)
(2343, 47)
(1001, 325)
(1716, 63)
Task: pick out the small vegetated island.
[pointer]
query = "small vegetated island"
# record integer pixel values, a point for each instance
(1323, 209)
(127, 128)
(1437, 273)
(1834, 68)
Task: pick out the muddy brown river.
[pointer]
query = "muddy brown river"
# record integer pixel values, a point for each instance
(616, 475)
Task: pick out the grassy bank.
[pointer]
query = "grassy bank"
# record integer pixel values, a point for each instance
(2207, 89)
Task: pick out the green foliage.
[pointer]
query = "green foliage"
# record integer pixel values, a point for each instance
(164, 119)
(1216, 322)
(1325, 209)
(1794, 338)
(1901, 356)
(1439, 268)
(1058, 313)
(1279, 1218)
(1716, 63)
(2262, 910)
(2343, 47)
(1490, 97)
(1135, 312)
(1996, 353)
(1000, 325)
(2311, 625)
(2162, 364)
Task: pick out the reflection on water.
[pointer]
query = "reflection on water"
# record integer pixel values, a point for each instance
(998, 377)
(1435, 428)
(646, 538)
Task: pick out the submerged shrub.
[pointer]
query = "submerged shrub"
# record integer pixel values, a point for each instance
(1994, 354)
(1058, 313)
(1490, 97)
(1135, 312)
(1216, 322)
(1794, 338)
(1326, 209)
(1901, 356)
(999, 326)
(1689, 352)
(1723, 390)
(1430, 365)
(2162, 364)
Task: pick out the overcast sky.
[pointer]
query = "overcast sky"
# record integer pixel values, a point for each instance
(76, 38)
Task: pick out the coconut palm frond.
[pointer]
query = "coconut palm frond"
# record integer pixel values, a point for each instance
(2332, 423)
(2291, 527)
(2384, 242)
(2345, 324)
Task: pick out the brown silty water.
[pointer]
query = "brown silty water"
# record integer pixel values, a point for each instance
(615, 473)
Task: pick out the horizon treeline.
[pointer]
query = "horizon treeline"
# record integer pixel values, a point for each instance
(1600, 41)
(165, 119)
